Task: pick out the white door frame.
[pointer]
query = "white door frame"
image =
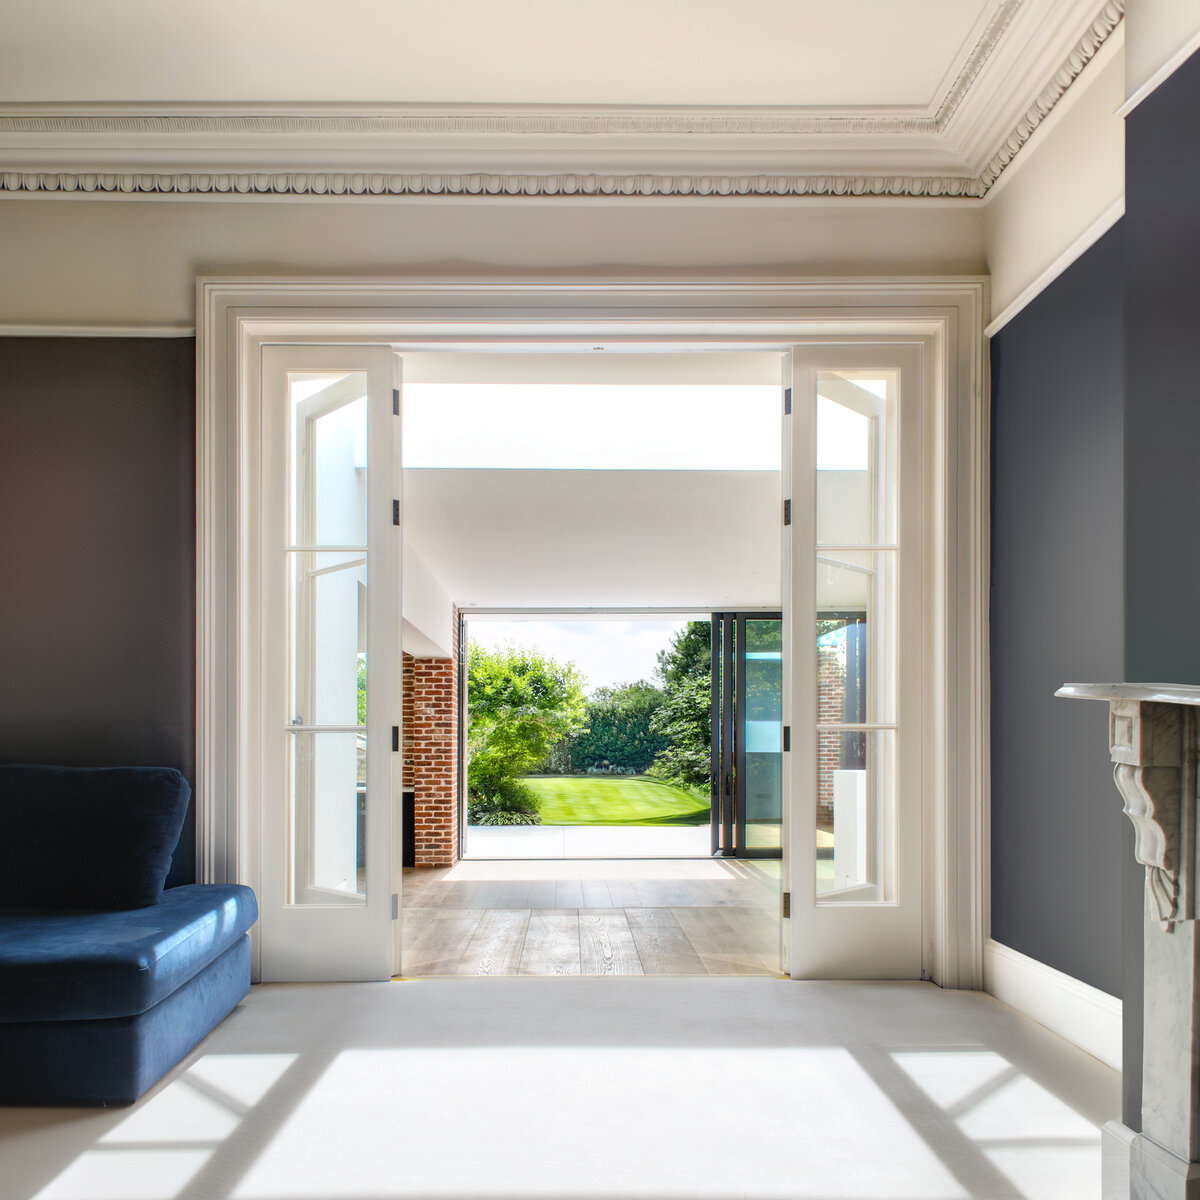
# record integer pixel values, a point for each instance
(235, 317)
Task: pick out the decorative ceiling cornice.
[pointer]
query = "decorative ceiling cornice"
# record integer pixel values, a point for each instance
(304, 183)
(996, 29)
(1083, 52)
(125, 135)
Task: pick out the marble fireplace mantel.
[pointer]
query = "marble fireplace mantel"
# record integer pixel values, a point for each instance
(1152, 736)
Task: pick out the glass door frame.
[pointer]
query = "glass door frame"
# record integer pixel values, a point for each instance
(944, 316)
(305, 932)
(727, 756)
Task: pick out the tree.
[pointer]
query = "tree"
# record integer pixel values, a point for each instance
(619, 735)
(684, 718)
(519, 704)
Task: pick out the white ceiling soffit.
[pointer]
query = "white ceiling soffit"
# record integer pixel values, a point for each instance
(533, 97)
(705, 540)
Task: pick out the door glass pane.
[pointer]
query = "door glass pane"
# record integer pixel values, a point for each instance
(856, 800)
(329, 637)
(856, 637)
(327, 631)
(329, 448)
(854, 459)
(763, 731)
(327, 811)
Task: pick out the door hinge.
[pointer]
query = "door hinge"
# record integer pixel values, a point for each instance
(395, 906)
(395, 512)
(395, 402)
(787, 904)
(396, 738)
(787, 512)
(787, 737)
(787, 402)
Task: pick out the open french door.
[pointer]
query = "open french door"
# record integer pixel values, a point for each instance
(855, 625)
(330, 679)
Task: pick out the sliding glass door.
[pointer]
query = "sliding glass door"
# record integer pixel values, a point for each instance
(747, 735)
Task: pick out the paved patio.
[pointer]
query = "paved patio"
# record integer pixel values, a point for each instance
(587, 841)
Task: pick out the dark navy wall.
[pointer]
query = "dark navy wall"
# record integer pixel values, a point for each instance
(97, 554)
(1162, 413)
(1059, 839)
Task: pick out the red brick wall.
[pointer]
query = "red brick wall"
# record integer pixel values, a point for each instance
(431, 753)
(831, 698)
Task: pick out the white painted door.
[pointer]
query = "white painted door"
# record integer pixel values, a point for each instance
(329, 689)
(854, 613)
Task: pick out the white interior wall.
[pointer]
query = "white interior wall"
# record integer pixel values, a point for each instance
(85, 261)
(1065, 188)
(1158, 32)
(428, 612)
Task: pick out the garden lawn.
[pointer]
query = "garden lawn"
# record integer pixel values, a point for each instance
(614, 800)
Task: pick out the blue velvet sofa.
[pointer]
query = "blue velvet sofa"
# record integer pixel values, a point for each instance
(106, 980)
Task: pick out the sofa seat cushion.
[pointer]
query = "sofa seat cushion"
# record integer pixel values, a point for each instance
(58, 966)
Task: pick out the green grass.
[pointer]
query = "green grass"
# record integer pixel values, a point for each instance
(614, 800)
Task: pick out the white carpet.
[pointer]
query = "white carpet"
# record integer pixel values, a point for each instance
(592, 1089)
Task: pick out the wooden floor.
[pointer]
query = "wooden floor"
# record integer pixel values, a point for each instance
(593, 917)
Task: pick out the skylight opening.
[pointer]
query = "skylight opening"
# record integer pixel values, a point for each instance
(596, 427)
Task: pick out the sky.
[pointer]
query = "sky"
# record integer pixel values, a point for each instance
(605, 652)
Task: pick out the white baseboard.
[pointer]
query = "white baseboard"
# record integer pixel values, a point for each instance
(1077, 1012)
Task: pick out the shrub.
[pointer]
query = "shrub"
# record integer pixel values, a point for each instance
(519, 705)
(512, 803)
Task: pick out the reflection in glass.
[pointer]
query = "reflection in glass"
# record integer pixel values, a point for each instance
(327, 697)
(763, 758)
(329, 444)
(856, 635)
(329, 593)
(855, 814)
(853, 461)
(327, 793)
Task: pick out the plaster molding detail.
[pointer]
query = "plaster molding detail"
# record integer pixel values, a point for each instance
(120, 129)
(1109, 17)
(343, 183)
(584, 122)
(997, 27)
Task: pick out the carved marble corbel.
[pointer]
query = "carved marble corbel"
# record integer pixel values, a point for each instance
(1153, 748)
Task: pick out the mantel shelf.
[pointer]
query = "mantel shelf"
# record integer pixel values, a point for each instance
(1152, 693)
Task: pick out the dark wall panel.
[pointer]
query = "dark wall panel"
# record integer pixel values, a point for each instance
(97, 554)
(1162, 415)
(1059, 839)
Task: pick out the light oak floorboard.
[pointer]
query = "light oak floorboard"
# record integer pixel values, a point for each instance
(622, 893)
(551, 943)
(758, 932)
(606, 945)
(543, 893)
(568, 894)
(495, 948)
(596, 894)
(661, 944)
(435, 945)
(718, 944)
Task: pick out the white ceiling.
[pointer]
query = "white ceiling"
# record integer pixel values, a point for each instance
(646, 97)
(547, 52)
(704, 540)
